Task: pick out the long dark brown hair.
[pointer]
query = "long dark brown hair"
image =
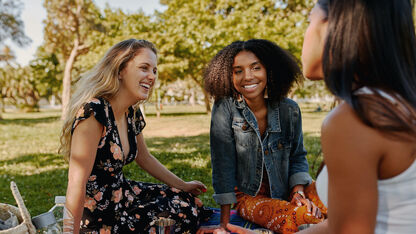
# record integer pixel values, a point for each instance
(371, 43)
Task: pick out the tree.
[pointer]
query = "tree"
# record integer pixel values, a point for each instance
(7, 54)
(48, 72)
(11, 26)
(20, 87)
(72, 28)
(119, 26)
(193, 31)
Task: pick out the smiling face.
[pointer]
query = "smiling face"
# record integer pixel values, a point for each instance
(313, 44)
(249, 76)
(139, 75)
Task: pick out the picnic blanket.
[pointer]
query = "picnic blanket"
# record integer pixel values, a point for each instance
(234, 219)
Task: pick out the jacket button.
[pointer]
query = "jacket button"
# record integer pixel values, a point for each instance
(266, 152)
(244, 127)
(280, 146)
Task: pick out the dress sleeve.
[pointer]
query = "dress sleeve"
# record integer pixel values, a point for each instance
(139, 122)
(95, 107)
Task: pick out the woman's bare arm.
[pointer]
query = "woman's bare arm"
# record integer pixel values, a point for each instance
(352, 152)
(150, 164)
(84, 144)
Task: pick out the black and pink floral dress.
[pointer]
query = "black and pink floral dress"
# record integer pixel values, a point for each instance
(115, 204)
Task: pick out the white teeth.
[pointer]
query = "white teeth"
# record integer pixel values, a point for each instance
(145, 85)
(250, 86)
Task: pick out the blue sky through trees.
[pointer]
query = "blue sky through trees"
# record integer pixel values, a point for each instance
(33, 14)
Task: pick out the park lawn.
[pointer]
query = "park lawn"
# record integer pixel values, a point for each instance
(179, 139)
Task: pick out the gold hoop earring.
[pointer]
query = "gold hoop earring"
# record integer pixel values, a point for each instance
(266, 95)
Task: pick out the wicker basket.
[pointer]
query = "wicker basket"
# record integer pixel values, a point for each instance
(21, 213)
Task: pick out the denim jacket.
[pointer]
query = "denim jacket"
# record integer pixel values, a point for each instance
(239, 155)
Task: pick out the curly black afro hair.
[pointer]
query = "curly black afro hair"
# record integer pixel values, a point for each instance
(282, 69)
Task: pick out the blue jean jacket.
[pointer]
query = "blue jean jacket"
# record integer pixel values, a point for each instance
(238, 154)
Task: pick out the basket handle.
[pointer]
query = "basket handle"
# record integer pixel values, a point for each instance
(22, 208)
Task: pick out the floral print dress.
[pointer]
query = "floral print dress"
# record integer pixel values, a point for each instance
(115, 204)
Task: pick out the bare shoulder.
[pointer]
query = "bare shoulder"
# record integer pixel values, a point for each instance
(343, 129)
(342, 117)
(89, 126)
(85, 138)
(352, 153)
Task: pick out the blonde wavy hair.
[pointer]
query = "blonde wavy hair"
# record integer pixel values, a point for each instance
(100, 82)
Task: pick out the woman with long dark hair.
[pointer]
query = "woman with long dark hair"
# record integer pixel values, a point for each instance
(368, 141)
(366, 52)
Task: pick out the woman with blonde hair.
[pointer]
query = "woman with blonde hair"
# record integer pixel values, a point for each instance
(102, 133)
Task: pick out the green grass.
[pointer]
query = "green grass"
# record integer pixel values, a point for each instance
(179, 139)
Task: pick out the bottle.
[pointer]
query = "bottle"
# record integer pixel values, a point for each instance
(58, 210)
(46, 224)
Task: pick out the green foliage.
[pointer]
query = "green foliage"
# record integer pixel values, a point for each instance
(188, 34)
(192, 31)
(68, 21)
(72, 28)
(48, 72)
(119, 26)
(19, 87)
(11, 25)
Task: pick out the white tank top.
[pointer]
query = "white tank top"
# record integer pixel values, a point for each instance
(396, 212)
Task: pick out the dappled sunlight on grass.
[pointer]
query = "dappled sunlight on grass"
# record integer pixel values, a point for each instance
(32, 164)
(180, 141)
(194, 163)
(187, 125)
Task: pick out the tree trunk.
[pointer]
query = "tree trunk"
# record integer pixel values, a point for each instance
(206, 95)
(206, 100)
(66, 83)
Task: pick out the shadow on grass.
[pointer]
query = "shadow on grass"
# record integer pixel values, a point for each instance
(39, 186)
(187, 157)
(28, 121)
(38, 160)
(199, 143)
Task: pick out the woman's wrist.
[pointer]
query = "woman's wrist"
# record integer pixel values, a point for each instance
(298, 189)
(181, 185)
(300, 192)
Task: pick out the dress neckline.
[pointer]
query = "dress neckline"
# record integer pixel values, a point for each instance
(113, 119)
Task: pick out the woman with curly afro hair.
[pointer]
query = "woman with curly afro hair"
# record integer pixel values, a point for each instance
(258, 158)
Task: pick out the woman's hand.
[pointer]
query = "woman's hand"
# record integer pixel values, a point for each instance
(219, 230)
(211, 229)
(195, 187)
(237, 229)
(299, 200)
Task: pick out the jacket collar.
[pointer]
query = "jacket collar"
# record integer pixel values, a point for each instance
(273, 113)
